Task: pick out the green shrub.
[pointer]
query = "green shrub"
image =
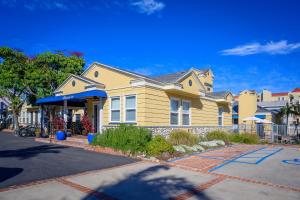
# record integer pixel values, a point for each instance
(246, 138)
(159, 145)
(179, 137)
(124, 138)
(217, 135)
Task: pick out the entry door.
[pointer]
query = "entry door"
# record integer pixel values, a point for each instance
(96, 117)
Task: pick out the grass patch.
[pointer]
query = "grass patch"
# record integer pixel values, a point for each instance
(179, 137)
(218, 135)
(246, 138)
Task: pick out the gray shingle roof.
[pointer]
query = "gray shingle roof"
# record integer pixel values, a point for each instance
(88, 79)
(169, 78)
(173, 77)
(261, 109)
(218, 95)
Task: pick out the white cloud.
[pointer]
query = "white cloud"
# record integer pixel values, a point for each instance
(148, 6)
(280, 47)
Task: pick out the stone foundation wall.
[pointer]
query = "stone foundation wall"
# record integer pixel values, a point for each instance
(166, 130)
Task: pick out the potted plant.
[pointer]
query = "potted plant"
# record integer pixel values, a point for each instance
(88, 128)
(59, 126)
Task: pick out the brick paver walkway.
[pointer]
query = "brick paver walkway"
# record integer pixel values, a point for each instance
(207, 160)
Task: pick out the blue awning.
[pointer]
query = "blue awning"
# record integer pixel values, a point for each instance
(261, 116)
(72, 97)
(235, 116)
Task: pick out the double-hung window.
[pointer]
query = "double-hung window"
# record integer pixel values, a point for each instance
(174, 111)
(115, 109)
(186, 105)
(220, 116)
(130, 108)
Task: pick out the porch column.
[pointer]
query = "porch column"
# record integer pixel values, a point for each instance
(65, 115)
(100, 114)
(42, 119)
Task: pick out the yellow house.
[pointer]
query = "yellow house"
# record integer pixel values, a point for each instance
(112, 96)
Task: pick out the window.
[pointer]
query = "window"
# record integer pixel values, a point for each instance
(190, 82)
(115, 109)
(186, 105)
(73, 83)
(174, 111)
(96, 74)
(220, 116)
(130, 108)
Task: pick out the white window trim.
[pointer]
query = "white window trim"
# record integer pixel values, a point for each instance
(189, 112)
(178, 112)
(110, 110)
(124, 108)
(222, 116)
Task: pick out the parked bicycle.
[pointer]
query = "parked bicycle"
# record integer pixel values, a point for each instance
(27, 131)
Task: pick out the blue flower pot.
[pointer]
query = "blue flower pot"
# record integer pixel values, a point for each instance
(60, 135)
(90, 137)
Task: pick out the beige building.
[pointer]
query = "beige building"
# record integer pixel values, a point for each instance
(246, 105)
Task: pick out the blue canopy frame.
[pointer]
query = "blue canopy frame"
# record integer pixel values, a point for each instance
(76, 99)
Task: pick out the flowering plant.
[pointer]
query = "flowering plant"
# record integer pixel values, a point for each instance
(86, 123)
(58, 123)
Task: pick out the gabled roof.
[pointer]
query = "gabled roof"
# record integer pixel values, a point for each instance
(218, 95)
(261, 110)
(169, 78)
(174, 77)
(82, 78)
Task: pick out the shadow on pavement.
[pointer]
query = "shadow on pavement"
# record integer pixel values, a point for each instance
(7, 173)
(29, 152)
(147, 184)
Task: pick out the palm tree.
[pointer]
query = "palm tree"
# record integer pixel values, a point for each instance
(286, 111)
(292, 108)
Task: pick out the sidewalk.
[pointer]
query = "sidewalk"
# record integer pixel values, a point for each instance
(144, 180)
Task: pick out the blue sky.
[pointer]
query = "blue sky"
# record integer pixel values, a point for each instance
(248, 44)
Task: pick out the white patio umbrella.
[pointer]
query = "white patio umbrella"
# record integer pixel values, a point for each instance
(251, 119)
(264, 121)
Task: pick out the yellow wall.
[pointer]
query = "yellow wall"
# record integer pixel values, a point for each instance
(247, 105)
(110, 78)
(68, 88)
(195, 84)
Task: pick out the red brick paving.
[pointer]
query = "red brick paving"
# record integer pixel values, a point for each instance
(198, 163)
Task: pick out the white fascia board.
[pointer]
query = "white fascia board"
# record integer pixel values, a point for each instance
(143, 82)
(211, 99)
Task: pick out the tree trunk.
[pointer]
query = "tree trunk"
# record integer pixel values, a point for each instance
(287, 123)
(16, 121)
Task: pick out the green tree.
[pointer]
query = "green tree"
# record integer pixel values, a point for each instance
(13, 79)
(48, 71)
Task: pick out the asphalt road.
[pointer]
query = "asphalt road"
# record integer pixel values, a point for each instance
(23, 160)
